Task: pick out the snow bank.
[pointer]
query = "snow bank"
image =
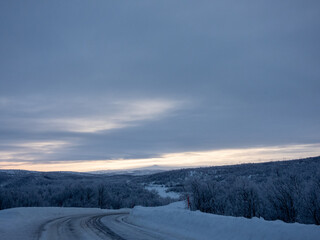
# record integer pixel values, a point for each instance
(184, 224)
(23, 223)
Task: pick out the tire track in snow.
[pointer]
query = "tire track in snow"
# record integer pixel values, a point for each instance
(78, 227)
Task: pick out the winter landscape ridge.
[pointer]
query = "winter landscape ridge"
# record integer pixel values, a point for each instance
(159, 120)
(274, 200)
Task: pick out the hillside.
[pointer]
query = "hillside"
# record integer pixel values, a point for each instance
(285, 190)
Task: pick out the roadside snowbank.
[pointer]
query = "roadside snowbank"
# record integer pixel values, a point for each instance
(23, 223)
(184, 224)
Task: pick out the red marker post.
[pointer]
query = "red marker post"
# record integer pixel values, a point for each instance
(188, 200)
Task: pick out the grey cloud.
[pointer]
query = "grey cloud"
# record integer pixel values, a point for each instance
(247, 72)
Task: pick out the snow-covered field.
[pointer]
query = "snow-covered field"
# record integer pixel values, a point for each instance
(162, 191)
(176, 220)
(173, 221)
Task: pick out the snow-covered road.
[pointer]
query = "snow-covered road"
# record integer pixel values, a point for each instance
(95, 226)
(169, 222)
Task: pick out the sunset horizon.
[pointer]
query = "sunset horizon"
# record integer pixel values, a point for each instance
(83, 88)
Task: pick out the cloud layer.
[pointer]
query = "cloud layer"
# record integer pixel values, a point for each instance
(113, 80)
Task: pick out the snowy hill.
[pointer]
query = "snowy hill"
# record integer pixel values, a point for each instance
(250, 190)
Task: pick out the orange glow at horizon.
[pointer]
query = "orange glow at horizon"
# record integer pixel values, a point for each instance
(176, 160)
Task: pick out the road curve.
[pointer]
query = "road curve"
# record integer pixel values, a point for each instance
(109, 226)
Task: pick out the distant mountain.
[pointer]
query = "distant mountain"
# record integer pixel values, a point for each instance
(135, 171)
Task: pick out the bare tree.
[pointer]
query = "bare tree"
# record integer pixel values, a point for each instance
(313, 202)
(284, 199)
(101, 193)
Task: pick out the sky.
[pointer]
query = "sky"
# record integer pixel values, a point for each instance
(107, 85)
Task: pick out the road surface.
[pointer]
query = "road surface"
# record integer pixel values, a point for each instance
(96, 227)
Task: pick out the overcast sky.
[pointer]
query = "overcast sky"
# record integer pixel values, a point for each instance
(124, 81)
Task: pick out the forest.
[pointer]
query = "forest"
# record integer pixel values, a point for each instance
(284, 190)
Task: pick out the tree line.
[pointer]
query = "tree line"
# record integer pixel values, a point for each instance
(97, 194)
(289, 197)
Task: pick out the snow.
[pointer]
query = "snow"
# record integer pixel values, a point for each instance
(23, 223)
(173, 220)
(181, 223)
(162, 191)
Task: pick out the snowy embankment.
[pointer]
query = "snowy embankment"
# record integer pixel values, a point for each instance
(175, 220)
(23, 223)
